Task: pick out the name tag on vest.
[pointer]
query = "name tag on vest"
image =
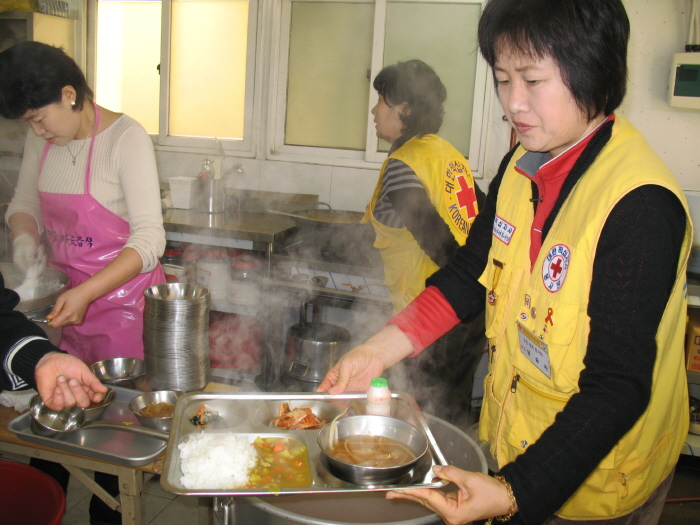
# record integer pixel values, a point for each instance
(535, 349)
(502, 230)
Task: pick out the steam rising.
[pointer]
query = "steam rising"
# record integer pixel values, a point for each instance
(440, 379)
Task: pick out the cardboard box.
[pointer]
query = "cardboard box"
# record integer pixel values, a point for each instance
(182, 192)
(692, 338)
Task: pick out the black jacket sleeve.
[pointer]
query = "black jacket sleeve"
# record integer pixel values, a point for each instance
(22, 343)
(421, 218)
(458, 281)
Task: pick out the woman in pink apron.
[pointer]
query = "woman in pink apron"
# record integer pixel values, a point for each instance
(88, 186)
(98, 206)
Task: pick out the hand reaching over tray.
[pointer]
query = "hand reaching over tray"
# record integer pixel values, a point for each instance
(63, 380)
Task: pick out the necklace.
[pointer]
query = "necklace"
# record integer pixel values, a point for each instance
(81, 149)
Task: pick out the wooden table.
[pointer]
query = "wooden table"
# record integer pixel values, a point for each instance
(130, 478)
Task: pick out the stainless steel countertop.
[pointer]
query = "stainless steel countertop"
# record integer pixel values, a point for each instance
(245, 217)
(257, 227)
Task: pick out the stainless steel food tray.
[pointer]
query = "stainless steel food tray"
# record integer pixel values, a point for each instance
(115, 446)
(252, 415)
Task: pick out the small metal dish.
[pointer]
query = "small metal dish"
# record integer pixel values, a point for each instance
(54, 423)
(127, 372)
(59, 424)
(361, 425)
(95, 410)
(159, 396)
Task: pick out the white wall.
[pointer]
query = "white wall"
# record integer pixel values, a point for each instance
(659, 29)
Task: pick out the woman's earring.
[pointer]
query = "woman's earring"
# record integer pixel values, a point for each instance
(72, 102)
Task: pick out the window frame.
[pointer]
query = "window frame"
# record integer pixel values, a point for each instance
(269, 26)
(369, 158)
(162, 140)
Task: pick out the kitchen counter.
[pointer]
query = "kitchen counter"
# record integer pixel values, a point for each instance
(245, 224)
(245, 230)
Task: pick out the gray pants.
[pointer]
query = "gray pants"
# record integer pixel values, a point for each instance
(647, 514)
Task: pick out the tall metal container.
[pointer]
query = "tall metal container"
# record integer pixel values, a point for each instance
(175, 336)
(211, 195)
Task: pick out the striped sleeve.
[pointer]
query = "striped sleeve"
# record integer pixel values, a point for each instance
(397, 176)
(16, 382)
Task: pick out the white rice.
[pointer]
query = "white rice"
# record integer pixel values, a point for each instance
(216, 461)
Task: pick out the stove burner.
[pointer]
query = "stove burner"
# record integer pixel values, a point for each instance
(332, 249)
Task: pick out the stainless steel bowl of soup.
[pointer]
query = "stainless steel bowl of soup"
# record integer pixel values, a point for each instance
(155, 409)
(372, 450)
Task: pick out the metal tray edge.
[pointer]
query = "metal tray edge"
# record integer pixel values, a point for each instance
(16, 427)
(436, 454)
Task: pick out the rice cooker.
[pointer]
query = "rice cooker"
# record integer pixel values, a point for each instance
(51, 284)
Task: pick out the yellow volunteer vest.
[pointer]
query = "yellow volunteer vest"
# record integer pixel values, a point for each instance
(448, 180)
(520, 400)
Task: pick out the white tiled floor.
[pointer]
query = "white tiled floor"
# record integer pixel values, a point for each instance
(158, 506)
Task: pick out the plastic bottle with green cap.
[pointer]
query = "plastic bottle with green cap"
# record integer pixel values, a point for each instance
(379, 397)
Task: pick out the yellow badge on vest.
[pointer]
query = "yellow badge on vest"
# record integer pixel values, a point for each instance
(460, 197)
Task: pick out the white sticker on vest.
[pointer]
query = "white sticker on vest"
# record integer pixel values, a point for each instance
(535, 349)
(555, 267)
(502, 230)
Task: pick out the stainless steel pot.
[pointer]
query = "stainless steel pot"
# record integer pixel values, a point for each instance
(312, 348)
(38, 308)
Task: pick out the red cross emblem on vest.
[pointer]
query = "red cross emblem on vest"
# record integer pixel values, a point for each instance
(466, 197)
(555, 267)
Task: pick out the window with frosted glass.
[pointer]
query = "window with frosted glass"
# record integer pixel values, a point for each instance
(443, 36)
(330, 55)
(127, 59)
(208, 48)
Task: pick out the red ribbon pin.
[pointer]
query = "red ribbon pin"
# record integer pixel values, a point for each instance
(549, 319)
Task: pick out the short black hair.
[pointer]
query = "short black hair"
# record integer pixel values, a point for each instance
(587, 39)
(417, 84)
(32, 75)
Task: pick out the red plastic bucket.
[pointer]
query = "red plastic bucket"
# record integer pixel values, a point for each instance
(29, 496)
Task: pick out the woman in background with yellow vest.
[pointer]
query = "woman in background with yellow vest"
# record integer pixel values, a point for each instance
(422, 208)
(578, 259)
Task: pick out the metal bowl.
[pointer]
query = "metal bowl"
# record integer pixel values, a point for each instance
(95, 410)
(375, 426)
(127, 372)
(54, 423)
(52, 284)
(158, 396)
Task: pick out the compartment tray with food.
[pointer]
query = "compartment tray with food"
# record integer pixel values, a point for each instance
(204, 423)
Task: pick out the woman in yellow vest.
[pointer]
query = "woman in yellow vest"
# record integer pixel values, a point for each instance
(578, 259)
(423, 205)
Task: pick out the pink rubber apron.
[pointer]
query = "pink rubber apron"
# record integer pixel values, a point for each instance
(85, 237)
